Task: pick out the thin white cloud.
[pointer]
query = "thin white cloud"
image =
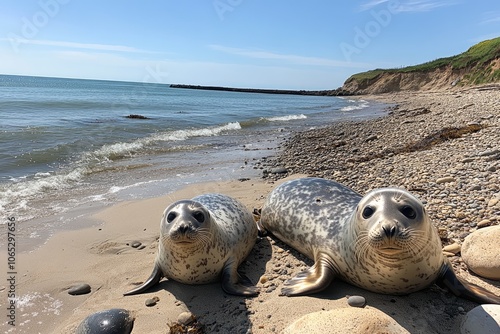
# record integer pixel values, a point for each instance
(74, 45)
(410, 5)
(491, 17)
(370, 4)
(295, 59)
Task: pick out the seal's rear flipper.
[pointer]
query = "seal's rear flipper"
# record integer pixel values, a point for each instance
(461, 288)
(315, 279)
(155, 277)
(262, 232)
(237, 284)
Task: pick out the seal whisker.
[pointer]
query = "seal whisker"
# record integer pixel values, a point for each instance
(205, 237)
(416, 241)
(361, 245)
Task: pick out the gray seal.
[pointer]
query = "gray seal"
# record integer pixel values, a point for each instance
(203, 240)
(383, 242)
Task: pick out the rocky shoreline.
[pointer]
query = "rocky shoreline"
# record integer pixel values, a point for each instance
(441, 146)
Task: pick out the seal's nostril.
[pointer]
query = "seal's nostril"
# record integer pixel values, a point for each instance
(390, 231)
(183, 228)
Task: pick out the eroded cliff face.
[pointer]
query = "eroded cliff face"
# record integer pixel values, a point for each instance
(439, 79)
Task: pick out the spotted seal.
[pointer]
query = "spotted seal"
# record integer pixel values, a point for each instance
(203, 240)
(383, 242)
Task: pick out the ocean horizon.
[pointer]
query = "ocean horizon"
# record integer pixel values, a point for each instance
(65, 143)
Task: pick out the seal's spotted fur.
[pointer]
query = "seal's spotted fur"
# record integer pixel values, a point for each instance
(203, 240)
(382, 242)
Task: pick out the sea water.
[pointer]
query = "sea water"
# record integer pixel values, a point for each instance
(65, 143)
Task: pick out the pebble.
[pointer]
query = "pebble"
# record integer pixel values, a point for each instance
(80, 289)
(483, 319)
(447, 179)
(151, 301)
(453, 248)
(279, 170)
(185, 318)
(112, 321)
(484, 223)
(493, 202)
(488, 153)
(356, 301)
(135, 244)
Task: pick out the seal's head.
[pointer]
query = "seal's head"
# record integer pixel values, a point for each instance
(185, 223)
(392, 223)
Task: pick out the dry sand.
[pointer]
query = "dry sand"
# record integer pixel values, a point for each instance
(101, 256)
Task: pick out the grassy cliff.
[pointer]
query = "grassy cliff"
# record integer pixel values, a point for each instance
(480, 64)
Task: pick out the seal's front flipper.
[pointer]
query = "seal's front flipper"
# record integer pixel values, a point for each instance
(315, 279)
(153, 279)
(237, 284)
(461, 288)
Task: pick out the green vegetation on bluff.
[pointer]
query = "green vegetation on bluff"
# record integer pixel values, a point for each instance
(475, 59)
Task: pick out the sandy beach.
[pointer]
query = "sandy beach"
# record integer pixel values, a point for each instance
(363, 155)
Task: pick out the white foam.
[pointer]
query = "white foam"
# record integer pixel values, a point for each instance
(45, 302)
(116, 189)
(189, 133)
(286, 118)
(117, 150)
(361, 104)
(17, 196)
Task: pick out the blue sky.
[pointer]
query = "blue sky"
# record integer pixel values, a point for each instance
(241, 43)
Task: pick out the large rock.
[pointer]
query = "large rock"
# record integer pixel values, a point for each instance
(346, 320)
(481, 253)
(484, 319)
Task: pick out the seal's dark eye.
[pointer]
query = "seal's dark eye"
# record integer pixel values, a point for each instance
(171, 216)
(368, 212)
(199, 216)
(408, 212)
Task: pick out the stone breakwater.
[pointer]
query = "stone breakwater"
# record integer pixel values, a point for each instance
(442, 146)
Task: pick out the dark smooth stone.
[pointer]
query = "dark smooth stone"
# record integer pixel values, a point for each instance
(80, 289)
(152, 301)
(112, 321)
(356, 301)
(135, 244)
